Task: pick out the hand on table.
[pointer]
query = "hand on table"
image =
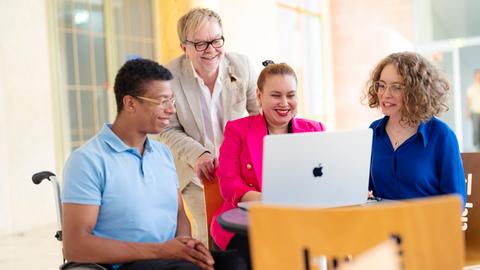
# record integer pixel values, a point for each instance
(251, 196)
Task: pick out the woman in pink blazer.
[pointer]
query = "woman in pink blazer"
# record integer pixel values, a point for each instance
(240, 159)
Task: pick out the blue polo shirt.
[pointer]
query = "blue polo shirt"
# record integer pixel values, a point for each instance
(426, 164)
(137, 195)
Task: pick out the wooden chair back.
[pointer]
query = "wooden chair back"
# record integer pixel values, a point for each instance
(213, 201)
(430, 231)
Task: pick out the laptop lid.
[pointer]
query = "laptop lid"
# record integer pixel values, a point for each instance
(325, 169)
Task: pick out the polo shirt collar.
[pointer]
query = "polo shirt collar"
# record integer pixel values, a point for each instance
(147, 145)
(116, 143)
(422, 130)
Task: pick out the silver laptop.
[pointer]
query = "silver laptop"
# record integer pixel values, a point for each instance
(326, 169)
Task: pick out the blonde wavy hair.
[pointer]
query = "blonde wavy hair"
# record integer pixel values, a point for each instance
(190, 22)
(426, 90)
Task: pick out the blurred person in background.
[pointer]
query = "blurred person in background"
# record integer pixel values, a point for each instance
(473, 107)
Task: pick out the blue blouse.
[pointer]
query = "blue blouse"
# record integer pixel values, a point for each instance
(426, 164)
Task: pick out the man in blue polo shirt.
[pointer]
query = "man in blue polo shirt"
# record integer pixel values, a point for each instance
(121, 203)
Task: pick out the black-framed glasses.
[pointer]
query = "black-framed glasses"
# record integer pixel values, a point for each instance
(381, 87)
(162, 103)
(203, 45)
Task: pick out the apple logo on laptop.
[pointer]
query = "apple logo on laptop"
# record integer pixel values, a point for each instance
(317, 171)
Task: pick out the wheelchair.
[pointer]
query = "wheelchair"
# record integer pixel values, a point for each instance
(37, 179)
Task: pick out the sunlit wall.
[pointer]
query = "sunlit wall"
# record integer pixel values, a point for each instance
(27, 141)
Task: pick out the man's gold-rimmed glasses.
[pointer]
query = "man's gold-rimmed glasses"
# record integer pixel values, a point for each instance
(163, 102)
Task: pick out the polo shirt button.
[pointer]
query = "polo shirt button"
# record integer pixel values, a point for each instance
(249, 167)
(250, 185)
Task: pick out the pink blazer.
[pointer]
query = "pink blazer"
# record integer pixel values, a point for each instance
(240, 163)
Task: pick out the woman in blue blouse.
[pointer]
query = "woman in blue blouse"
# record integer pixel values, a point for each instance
(414, 154)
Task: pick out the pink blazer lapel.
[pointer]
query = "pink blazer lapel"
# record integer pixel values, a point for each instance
(254, 140)
(297, 127)
(303, 125)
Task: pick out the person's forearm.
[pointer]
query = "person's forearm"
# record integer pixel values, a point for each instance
(183, 224)
(251, 196)
(183, 230)
(93, 249)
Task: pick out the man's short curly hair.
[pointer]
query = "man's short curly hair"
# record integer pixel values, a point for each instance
(426, 89)
(133, 75)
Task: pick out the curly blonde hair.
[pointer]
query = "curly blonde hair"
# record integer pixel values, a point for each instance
(426, 89)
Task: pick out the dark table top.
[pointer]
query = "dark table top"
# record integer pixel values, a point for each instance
(234, 220)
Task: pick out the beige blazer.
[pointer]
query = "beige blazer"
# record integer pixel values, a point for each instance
(185, 135)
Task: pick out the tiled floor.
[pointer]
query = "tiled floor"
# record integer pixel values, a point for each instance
(37, 249)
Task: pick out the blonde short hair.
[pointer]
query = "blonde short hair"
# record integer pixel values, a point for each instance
(426, 89)
(190, 22)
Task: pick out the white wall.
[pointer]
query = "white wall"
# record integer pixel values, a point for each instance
(363, 32)
(26, 116)
(250, 28)
(265, 30)
(4, 195)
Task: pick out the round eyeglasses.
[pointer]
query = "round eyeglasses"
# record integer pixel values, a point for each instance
(162, 102)
(381, 87)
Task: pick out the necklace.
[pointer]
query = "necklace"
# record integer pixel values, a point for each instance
(395, 142)
(399, 135)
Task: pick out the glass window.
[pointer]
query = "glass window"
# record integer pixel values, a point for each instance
(301, 47)
(448, 34)
(100, 61)
(443, 61)
(69, 65)
(469, 61)
(83, 62)
(84, 59)
(446, 19)
(133, 26)
(72, 104)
